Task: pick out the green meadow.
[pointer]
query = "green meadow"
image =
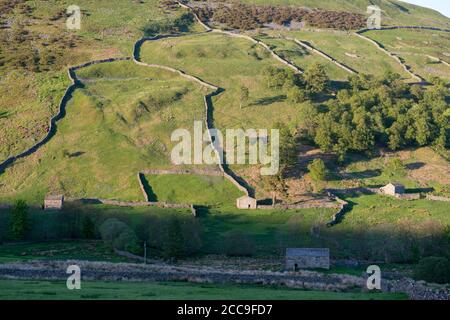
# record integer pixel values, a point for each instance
(109, 28)
(192, 188)
(117, 123)
(347, 48)
(102, 290)
(229, 63)
(414, 47)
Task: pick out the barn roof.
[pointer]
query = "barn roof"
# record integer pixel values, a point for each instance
(307, 252)
(246, 198)
(396, 184)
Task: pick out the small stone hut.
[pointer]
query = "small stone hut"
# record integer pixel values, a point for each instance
(53, 202)
(307, 258)
(393, 188)
(246, 202)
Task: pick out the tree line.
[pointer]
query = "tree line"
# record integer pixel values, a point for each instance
(371, 112)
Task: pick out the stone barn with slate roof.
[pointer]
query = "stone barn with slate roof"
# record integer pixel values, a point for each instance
(393, 189)
(246, 202)
(307, 258)
(53, 202)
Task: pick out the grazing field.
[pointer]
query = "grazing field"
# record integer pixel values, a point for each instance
(37, 49)
(118, 123)
(191, 188)
(423, 169)
(376, 210)
(268, 231)
(58, 250)
(302, 57)
(229, 63)
(415, 47)
(92, 290)
(350, 50)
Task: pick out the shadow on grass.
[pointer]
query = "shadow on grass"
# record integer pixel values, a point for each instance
(370, 173)
(4, 114)
(268, 100)
(151, 195)
(415, 165)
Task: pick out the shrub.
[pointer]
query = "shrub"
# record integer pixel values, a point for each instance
(318, 170)
(126, 241)
(88, 228)
(238, 244)
(433, 269)
(180, 24)
(118, 235)
(173, 243)
(395, 167)
(297, 95)
(19, 220)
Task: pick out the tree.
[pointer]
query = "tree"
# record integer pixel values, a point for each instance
(173, 244)
(433, 269)
(297, 95)
(243, 96)
(288, 147)
(276, 184)
(238, 244)
(395, 168)
(318, 170)
(88, 228)
(316, 78)
(19, 220)
(118, 235)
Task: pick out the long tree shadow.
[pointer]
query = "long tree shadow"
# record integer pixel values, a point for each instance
(268, 100)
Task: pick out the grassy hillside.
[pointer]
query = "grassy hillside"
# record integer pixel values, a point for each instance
(302, 57)
(37, 49)
(117, 124)
(415, 47)
(229, 63)
(348, 49)
(395, 12)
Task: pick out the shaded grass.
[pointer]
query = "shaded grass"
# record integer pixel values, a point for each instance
(58, 250)
(91, 290)
(270, 231)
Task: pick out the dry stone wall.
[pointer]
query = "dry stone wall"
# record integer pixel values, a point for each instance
(437, 198)
(392, 55)
(60, 114)
(323, 55)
